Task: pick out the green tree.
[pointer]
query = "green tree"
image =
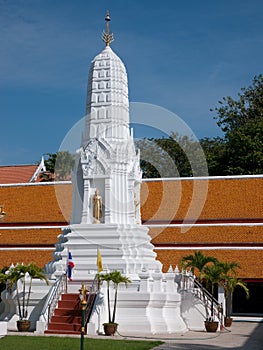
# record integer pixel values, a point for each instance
(214, 150)
(241, 120)
(21, 272)
(213, 275)
(230, 283)
(172, 157)
(116, 278)
(60, 164)
(2, 279)
(197, 261)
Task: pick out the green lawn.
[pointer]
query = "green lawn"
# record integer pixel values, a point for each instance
(13, 342)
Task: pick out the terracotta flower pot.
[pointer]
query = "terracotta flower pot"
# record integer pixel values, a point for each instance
(228, 321)
(110, 328)
(211, 326)
(23, 325)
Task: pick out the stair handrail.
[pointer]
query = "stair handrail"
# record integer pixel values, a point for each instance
(53, 297)
(93, 292)
(189, 282)
(218, 309)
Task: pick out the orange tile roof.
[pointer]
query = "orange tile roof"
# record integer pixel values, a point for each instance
(226, 199)
(36, 203)
(39, 257)
(11, 174)
(29, 237)
(231, 200)
(208, 235)
(250, 261)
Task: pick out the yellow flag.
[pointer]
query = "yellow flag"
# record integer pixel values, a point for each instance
(99, 261)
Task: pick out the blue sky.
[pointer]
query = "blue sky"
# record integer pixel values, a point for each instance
(180, 55)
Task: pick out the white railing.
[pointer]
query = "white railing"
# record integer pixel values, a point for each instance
(53, 297)
(188, 282)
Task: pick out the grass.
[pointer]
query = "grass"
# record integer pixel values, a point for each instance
(60, 343)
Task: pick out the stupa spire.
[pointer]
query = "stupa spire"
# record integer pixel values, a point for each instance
(107, 36)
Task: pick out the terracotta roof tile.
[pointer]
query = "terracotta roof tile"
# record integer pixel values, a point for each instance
(228, 199)
(36, 203)
(16, 173)
(207, 234)
(250, 261)
(29, 237)
(39, 257)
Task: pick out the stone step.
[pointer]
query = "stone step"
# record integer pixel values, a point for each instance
(58, 326)
(67, 315)
(69, 304)
(70, 296)
(61, 332)
(67, 312)
(66, 319)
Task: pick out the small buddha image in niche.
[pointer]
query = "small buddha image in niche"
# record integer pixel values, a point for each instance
(97, 207)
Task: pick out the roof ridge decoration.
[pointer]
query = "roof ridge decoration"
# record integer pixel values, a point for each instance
(107, 36)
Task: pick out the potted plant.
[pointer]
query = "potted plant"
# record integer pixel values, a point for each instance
(197, 261)
(116, 278)
(2, 280)
(229, 285)
(24, 274)
(212, 274)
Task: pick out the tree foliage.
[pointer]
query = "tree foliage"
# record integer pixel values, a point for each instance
(197, 261)
(172, 157)
(213, 272)
(116, 278)
(60, 164)
(22, 272)
(239, 152)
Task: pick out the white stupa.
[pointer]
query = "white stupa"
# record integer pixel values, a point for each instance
(107, 165)
(106, 216)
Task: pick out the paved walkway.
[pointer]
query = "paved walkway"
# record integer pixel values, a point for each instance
(241, 336)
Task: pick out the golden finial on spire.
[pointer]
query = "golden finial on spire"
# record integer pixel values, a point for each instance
(107, 36)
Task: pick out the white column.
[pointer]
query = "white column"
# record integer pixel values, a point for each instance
(85, 219)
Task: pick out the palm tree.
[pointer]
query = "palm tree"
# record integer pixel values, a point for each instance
(2, 279)
(229, 268)
(230, 283)
(107, 278)
(198, 261)
(213, 275)
(116, 277)
(21, 272)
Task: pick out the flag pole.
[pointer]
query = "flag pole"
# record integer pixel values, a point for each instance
(67, 271)
(100, 269)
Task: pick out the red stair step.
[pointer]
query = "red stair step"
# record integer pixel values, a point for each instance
(70, 296)
(67, 312)
(67, 316)
(69, 304)
(73, 327)
(66, 319)
(61, 332)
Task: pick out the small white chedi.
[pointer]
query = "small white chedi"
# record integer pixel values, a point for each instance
(106, 180)
(106, 208)
(106, 216)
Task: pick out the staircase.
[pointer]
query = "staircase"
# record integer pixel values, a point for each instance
(67, 316)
